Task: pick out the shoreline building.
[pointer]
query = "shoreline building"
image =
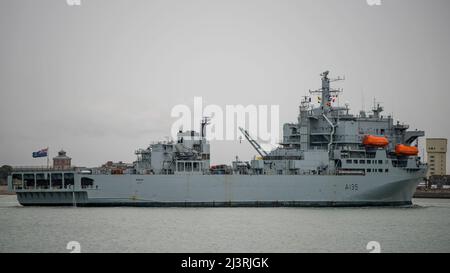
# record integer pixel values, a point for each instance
(437, 154)
(111, 167)
(62, 161)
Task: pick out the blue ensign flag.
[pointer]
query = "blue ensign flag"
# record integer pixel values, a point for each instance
(41, 153)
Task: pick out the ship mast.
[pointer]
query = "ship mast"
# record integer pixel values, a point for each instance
(327, 92)
(204, 123)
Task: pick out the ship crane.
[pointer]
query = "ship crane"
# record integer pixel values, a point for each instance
(253, 142)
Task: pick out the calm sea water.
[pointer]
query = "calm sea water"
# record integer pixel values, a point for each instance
(424, 227)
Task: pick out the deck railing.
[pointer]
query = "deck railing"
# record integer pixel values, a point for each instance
(18, 169)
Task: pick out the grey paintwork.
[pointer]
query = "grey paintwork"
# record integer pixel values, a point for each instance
(321, 162)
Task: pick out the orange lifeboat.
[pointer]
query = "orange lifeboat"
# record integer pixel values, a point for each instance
(375, 141)
(401, 149)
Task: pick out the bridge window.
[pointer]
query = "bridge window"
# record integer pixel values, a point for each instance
(87, 182)
(369, 161)
(57, 180)
(42, 180)
(17, 180)
(368, 170)
(355, 161)
(196, 166)
(380, 170)
(69, 180)
(362, 162)
(380, 161)
(188, 166)
(386, 170)
(349, 161)
(28, 180)
(180, 166)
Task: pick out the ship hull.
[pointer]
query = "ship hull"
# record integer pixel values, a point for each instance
(231, 191)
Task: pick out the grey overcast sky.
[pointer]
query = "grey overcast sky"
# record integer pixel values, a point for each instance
(100, 79)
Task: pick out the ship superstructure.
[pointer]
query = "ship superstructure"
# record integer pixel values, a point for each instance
(328, 158)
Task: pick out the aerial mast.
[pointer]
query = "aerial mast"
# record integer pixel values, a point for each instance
(204, 123)
(326, 92)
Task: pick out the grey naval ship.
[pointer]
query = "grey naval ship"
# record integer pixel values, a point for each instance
(330, 157)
